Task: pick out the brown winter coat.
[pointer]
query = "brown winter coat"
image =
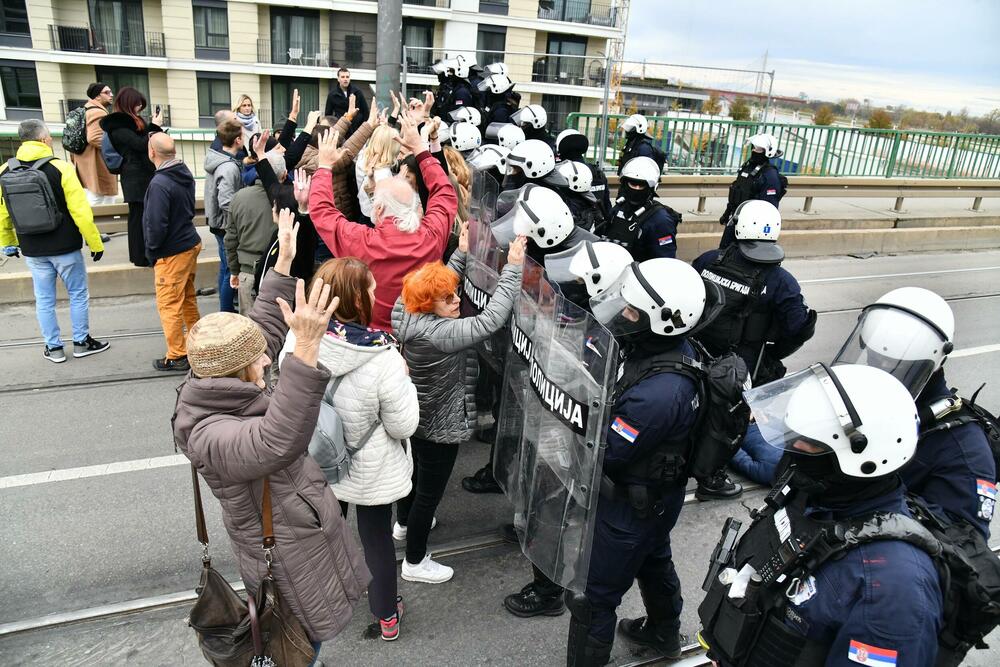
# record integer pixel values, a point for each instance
(235, 434)
(343, 169)
(90, 165)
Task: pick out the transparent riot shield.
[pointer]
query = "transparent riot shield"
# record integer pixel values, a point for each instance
(479, 179)
(479, 283)
(561, 367)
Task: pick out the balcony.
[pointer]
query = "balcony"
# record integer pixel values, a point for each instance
(569, 70)
(440, 4)
(65, 106)
(84, 39)
(580, 11)
(349, 52)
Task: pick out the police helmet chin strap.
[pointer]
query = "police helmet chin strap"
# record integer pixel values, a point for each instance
(846, 413)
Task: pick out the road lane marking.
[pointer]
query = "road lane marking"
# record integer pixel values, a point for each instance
(973, 351)
(845, 279)
(32, 478)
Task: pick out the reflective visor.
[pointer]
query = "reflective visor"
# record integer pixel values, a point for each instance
(612, 310)
(518, 221)
(558, 266)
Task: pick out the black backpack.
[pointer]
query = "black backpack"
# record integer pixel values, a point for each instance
(75, 133)
(29, 198)
(659, 157)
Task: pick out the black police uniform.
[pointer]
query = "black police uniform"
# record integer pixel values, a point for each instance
(757, 179)
(636, 145)
(639, 506)
(764, 304)
(455, 93)
(444, 97)
(647, 231)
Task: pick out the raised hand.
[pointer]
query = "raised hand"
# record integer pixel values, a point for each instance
(302, 182)
(293, 115)
(260, 145)
(428, 103)
(515, 254)
(463, 238)
(328, 151)
(373, 114)
(409, 136)
(311, 121)
(352, 106)
(310, 318)
(396, 104)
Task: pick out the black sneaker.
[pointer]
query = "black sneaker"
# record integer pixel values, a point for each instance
(165, 364)
(482, 482)
(89, 346)
(529, 603)
(640, 631)
(54, 354)
(718, 486)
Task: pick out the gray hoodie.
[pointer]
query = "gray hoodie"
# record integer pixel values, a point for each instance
(223, 178)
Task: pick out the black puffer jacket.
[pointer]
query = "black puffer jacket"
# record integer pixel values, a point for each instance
(132, 144)
(440, 354)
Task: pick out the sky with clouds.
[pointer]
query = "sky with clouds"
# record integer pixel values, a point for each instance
(936, 56)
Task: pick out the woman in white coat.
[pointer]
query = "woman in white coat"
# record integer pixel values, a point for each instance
(375, 388)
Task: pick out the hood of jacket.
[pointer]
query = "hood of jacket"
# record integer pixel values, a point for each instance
(117, 120)
(199, 398)
(348, 346)
(214, 158)
(33, 150)
(178, 173)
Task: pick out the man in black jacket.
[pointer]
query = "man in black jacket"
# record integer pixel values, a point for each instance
(337, 100)
(172, 245)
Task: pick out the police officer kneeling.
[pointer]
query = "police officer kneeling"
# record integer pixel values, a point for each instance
(833, 569)
(652, 308)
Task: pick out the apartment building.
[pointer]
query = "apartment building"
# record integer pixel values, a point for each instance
(194, 57)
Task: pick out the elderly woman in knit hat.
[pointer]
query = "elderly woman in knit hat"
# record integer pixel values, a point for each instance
(238, 433)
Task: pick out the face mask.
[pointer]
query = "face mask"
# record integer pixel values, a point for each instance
(820, 479)
(757, 158)
(632, 196)
(514, 181)
(576, 293)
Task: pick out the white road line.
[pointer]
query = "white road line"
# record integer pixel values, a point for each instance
(100, 470)
(845, 279)
(973, 351)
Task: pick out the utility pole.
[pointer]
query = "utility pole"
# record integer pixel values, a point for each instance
(388, 49)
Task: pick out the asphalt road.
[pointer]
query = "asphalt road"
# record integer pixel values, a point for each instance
(113, 536)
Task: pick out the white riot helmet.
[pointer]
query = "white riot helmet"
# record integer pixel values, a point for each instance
(540, 214)
(642, 169)
(664, 296)
(861, 415)
(497, 84)
(533, 115)
(765, 142)
(596, 263)
(467, 115)
(489, 156)
(534, 157)
(758, 225)
(635, 123)
(908, 333)
(444, 132)
(578, 176)
(462, 65)
(509, 135)
(465, 137)
(498, 68)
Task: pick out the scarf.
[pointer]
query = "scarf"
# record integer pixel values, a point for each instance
(249, 122)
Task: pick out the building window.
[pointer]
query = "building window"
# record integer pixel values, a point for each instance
(117, 28)
(211, 29)
(352, 40)
(295, 37)
(213, 95)
(490, 44)
(20, 87)
(281, 98)
(418, 37)
(558, 107)
(14, 17)
(494, 7)
(569, 70)
(119, 77)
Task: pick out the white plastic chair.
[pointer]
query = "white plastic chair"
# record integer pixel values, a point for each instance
(321, 59)
(294, 54)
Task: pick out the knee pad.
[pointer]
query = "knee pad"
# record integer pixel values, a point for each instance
(579, 607)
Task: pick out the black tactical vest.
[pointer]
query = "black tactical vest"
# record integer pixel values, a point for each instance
(627, 231)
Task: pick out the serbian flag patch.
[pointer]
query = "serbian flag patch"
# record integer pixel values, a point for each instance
(870, 655)
(666, 240)
(624, 430)
(987, 493)
(772, 191)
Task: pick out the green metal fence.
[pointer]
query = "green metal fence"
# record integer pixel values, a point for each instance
(705, 146)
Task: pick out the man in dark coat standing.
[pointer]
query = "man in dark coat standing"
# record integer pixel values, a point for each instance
(337, 100)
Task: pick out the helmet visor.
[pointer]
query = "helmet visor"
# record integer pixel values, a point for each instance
(484, 158)
(518, 221)
(612, 310)
(898, 342)
(559, 265)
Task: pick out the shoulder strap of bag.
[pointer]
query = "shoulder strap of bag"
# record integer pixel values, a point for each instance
(371, 429)
(267, 520)
(41, 162)
(199, 516)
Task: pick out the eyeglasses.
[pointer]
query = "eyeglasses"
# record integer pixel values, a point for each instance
(450, 298)
(106, 91)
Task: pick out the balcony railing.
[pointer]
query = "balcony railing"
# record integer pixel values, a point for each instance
(580, 11)
(341, 53)
(442, 4)
(570, 70)
(86, 39)
(65, 106)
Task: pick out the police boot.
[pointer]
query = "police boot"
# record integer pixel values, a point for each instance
(718, 486)
(530, 602)
(582, 650)
(642, 631)
(482, 481)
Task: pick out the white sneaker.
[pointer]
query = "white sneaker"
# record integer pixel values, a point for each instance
(427, 571)
(399, 532)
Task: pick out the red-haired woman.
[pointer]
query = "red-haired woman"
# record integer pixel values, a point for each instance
(129, 135)
(370, 391)
(439, 351)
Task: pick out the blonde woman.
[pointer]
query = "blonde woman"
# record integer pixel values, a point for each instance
(462, 178)
(374, 163)
(247, 115)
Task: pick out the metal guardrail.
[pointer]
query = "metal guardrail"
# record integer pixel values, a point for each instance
(605, 14)
(705, 146)
(112, 42)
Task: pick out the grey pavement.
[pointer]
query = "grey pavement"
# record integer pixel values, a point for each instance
(112, 538)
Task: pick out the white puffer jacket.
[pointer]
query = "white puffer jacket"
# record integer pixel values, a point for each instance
(375, 386)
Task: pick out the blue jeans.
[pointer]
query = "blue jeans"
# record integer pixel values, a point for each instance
(225, 291)
(71, 269)
(316, 646)
(756, 459)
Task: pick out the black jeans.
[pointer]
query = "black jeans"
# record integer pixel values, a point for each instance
(432, 466)
(375, 528)
(136, 235)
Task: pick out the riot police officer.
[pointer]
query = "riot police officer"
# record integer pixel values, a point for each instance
(652, 308)
(533, 119)
(490, 159)
(756, 179)
(577, 194)
(823, 575)
(908, 332)
(572, 145)
(499, 101)
(465, 138)
(638, 143)
(540, 214)
(454, 90)
(532, 161)
(647, 228)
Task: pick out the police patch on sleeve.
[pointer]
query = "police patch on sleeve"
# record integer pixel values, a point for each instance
(666, 240)
(865, 654)
(772, 191)
(987, 494)
(624, 430)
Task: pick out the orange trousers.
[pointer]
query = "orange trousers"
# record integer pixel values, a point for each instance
(175, 298)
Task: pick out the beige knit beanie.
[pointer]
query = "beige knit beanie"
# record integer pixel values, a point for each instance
(221, 344)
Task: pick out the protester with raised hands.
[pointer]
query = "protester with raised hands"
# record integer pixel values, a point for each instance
(237, 434)
(402, 239)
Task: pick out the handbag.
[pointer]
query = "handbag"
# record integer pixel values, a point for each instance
(258, 632)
